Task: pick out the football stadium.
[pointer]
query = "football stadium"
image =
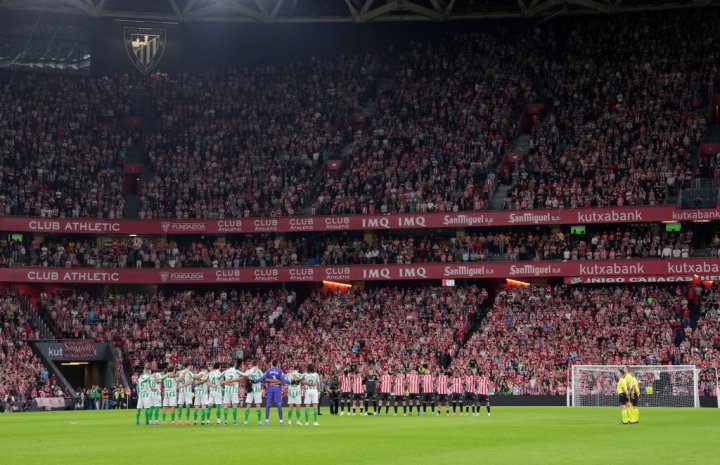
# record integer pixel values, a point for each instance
(360, 231)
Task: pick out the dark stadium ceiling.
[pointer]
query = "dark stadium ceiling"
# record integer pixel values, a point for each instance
(357, 11)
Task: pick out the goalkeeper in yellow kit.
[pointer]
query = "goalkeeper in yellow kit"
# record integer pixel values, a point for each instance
(633, 390)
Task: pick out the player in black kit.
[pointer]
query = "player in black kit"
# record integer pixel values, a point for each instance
(334, 396)
(371, 393)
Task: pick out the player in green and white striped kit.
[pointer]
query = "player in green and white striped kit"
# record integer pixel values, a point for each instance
(294, 399)
(216, 390)
(201, 398)
(185, 394)
(312, 394)
(155, 397)
(143, 393)
(170, 384)
(231, 380)
(254, 394)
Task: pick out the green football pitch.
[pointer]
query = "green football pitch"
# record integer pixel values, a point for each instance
(513, 435)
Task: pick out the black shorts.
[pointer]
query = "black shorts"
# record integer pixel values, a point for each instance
(469, 397)
(386, 397)
(399, 399)
(413, 396)
(442, 398)
(428, 397)
(623, 399)
(483, 399)
(346, 396)
(634, 400)
(358, 396)
(457, 397)
(372, 395)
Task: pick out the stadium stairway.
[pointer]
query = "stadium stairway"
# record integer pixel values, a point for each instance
(136, 152)
(480, 314)
(132, 206)
(45, 332)
(474, 326)
(498, 198)
(368, 109)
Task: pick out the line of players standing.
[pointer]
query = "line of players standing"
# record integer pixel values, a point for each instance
(356, 392)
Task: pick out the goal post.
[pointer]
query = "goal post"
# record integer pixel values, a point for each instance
(660, 385)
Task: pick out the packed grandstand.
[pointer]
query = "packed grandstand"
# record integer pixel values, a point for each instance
(583, 114)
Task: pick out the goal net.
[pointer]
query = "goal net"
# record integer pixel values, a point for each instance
(660, 385)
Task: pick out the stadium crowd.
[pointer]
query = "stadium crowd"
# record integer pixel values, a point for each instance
(148, 253)
(23, 376)
(400, 327)
(531, 335)
(387, 328)
(60, 154)
(615, 243)
(348, 249)
(247, 141)
(159, 329)
(442, 121)
(622, 120)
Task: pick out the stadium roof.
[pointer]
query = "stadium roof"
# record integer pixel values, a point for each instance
(356, 11)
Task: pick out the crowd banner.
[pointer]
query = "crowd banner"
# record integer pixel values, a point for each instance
(580, 216)
(580, 270)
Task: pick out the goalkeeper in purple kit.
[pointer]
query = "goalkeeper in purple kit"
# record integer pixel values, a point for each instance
(273, 378)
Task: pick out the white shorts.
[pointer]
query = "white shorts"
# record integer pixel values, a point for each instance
(311, 397)
(185, 398)
(170, 401)
(144, 402)
(253, 398)
(231, 398)
(295, 400)
(215, 398)
(156, 400)
(201, 400)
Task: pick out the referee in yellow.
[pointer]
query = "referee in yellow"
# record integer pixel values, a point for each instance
(622, 389)
(633, 390)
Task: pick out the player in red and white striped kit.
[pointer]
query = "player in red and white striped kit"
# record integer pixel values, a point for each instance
(457, 387)
(399, 393)
(386, 381)
(470, 398)
(441, 384)
(413, 382)
(346, 382)
(482, 389)
(428, 392)
(358, 389)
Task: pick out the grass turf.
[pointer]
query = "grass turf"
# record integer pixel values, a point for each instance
(513, 435)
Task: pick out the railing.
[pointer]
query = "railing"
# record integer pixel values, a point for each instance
(699, 197)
